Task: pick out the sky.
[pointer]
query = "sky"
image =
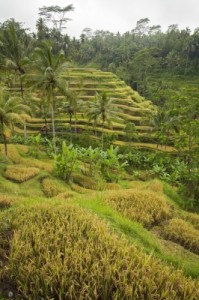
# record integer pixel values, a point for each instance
(112, 15)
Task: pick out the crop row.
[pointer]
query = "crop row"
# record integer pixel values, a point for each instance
(68, 253)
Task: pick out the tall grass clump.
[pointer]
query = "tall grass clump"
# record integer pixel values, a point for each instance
(182, 233)
(68, 253)
(85, 181)
(141, 206)
(52, 187)
(192, 218)
(5, 202)
(18, 173)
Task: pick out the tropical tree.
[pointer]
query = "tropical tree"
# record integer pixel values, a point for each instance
(159, 126)
(42, 29)
(56, 15)
(11, 110)
(70, 108)
(46, 76)
(131, 132)
(14, 46)
(103, 110)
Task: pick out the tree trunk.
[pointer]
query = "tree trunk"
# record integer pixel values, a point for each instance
(70, 127)
(25, 129)
(102, 136)
(187, 60)
(53, 125)
(5, 145)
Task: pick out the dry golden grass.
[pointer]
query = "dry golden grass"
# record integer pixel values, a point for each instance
(147, 145)
(52, 187)
(78, 189)
(68, 253)
(153, 185)
(183, 233)
(85, 181)
(13, 154)
(23, 148)
(15, 157)
(46, 166)
(65, 195)
(19, 173)
(191, 218)
(5, 201)
(107, 186)
(142, 206)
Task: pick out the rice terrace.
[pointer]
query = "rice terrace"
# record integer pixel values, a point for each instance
(99, 162)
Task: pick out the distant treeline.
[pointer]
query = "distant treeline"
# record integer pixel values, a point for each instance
(134, 56)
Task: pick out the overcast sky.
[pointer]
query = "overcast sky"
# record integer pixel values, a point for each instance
(112, 15)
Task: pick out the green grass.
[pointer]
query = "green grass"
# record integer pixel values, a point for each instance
(29, 194)
(142, 238)
(86, 82)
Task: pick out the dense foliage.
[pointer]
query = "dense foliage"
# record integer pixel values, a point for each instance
(144, 57)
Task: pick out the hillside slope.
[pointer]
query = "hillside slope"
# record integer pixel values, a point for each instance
(85, 83)
(127, 240)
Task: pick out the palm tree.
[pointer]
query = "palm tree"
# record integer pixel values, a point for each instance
(14, 47)
(70, 107)
(158, 123)
(11, 110)
(47, 77)
(102, 110)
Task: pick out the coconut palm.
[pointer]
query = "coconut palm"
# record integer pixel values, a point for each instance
(103, 110)
(11, 110)
(14, 45)
(46, 76)
(70, 108)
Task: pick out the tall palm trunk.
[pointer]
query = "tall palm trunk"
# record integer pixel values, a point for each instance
(22, 97)
(5, 145)
(103, 136)
(53, 122)
(4, 138)
(25, 129)
(70, 121)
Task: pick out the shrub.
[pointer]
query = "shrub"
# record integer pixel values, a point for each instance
(52, 187)
(141, 206)
(68, 253)
(182, 233)
(110, 164)
(66, 161)
(18, 173)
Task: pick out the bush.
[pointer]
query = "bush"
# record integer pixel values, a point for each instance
(66, 162)
(68, 253)
(110, 164)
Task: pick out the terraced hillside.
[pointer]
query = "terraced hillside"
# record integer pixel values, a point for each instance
(127, 241)
(85, 83)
